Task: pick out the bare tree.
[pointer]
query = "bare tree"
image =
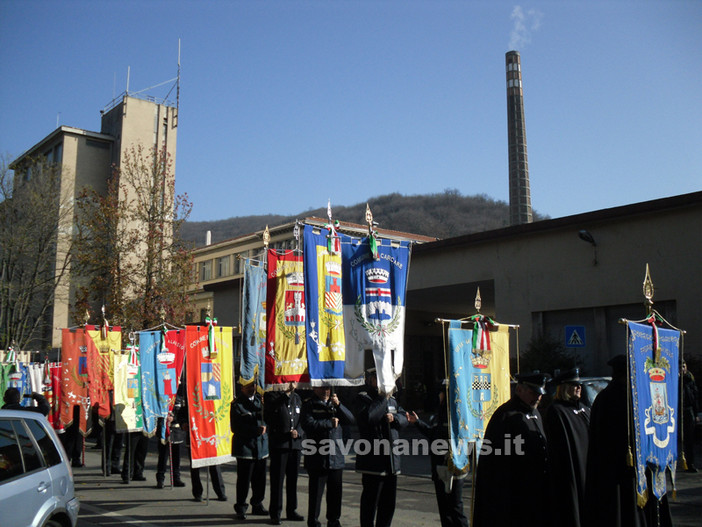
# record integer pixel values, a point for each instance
(35, 250)
(129, 244)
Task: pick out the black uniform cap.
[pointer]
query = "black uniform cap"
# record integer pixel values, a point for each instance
(570, 376)
(535, 381)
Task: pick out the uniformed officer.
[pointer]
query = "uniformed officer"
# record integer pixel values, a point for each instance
(380, 418)
(513, 462)
(322, 418)
(250, 447)
(282, 415)
(448, 485)
(567, 424)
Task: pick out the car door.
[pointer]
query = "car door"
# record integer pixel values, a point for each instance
(25, 484)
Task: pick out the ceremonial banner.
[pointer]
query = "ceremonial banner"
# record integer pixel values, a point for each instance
(129, 416)
(326, 341)
(53, 395)
(253, 338)
(157, 386)
(374, 307)
(653, 372)
(102, 345)
(286, 350)
(210, 392)
(19, 378)
(175, 344)
(74, 379)
(174, 360)
(478, 383)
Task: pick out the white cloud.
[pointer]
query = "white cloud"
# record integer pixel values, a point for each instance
(524, 24)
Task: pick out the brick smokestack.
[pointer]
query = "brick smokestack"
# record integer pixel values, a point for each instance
(519, 193)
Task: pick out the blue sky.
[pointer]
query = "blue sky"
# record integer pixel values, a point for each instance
(286, 104)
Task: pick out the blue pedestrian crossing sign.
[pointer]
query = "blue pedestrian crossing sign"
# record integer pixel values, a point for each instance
(575, 336)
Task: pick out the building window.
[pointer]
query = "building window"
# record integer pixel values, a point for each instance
(223, 266)
(206, 270)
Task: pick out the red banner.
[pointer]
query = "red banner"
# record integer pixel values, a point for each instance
(74, 379)
(286, 348)
(102, 346)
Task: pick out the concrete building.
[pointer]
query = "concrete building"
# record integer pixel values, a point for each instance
(581, 272)
(86, 160)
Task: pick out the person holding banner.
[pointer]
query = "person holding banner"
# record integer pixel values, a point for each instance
(250, 447)
(513, 464)
(282, 416)
(448, 486)
(380, 418)
(567, 424)
(322, 418)
(610, 488)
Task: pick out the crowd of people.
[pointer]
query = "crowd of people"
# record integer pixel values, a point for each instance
(572, 457)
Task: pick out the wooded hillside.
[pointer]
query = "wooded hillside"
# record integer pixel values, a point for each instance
(442, 215)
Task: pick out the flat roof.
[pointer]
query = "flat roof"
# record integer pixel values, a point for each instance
(61, 130)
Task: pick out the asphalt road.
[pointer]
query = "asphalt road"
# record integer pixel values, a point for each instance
(106, 501)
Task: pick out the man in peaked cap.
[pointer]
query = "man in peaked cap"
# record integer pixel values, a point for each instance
(567, 423)
(610, 489)
(513, 462)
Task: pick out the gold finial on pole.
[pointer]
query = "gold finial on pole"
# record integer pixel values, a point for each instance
(86, 317)
(648, 292)
(478, 301)
(266, 237)
(369, 219)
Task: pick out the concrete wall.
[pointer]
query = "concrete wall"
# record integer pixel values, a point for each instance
(545, 277)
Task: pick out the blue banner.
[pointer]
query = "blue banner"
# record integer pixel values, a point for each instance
(253, 338)
(158, 384)
(460, 375)
(326, 341)
(374, 307)
(653, 372)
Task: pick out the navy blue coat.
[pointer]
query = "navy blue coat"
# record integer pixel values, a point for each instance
(282, 414)
(246, 418)
(317, 423)
(372, 426)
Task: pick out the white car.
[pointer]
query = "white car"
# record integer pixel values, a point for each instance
(36, 481)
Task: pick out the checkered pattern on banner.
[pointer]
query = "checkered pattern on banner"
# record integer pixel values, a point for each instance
(481, 384)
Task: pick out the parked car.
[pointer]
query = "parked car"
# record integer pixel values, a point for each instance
(36, 481)
(591, 387)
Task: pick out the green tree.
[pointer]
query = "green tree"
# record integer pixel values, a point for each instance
(35, 250)
(129, 247)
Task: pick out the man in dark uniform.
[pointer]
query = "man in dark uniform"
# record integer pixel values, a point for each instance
(567, 423)
(282, 416)
(380, 418)
(250, 447)
(690, 397)
(135, 450)
(322, 418)
(448, 486)
(513, 462)
(610, 484)
(12, 398)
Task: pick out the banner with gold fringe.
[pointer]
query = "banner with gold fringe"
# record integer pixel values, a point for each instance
(253, 327)
(102, 344)
(129, 415)
(286, 347)
(74, 379)
(653, 373)
(209, 377)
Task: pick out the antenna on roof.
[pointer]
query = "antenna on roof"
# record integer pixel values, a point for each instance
(178, 84)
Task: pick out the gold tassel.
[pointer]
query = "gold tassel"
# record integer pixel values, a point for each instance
(641, 499)
(684, 462)
(629, 457)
